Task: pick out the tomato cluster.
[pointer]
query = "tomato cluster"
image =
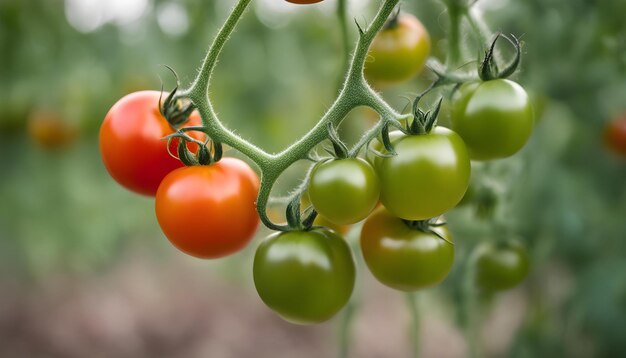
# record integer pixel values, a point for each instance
(206, 211)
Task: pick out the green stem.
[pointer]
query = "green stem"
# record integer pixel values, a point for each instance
(455, 10)
(481, 31)
(471, 313)
(345, 40)
(412, 303)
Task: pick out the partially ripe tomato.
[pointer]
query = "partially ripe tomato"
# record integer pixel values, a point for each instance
(428, 176)
(304, 276)
(404, 257)
(131, 142)
(50, 131)
(500, 266)
(209, 211)
(494, 118)
(398, 52)
(615, 135)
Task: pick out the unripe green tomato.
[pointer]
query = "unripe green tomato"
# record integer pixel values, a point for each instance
(494, 118)
(344, 191)
(398, 53)
(500, 266)
(428, 176)
(304, 276)
(402, 257)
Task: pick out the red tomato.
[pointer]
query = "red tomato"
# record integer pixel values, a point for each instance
(131, 143)
(209, 211)
(615, 135)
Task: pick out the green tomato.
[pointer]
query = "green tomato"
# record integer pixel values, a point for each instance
(500, 266)
(403, 257)
(344, 191)
(377, 145)
(494, 118)
(304, 276)
(398, 52)
(428, 176)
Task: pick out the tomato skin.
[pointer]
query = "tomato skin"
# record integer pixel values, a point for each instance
(398, 53)
(131, 143)
(344, 191)
(494, 118)
(304, 276)
(428, 176)
(404, 258)
(615, 135)
(500, 267)
(209, 211)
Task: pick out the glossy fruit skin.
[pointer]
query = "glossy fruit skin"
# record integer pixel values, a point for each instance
(131, 143)
(494, 118)
(208, 211)
(398, 53)
(428, 176)
(304, 276)
(500, 266)
(49, 131)
(344, 191)
(402, 257)
(615, 136)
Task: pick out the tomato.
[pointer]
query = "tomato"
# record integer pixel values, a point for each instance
(615, 135)
(500, 266)
(49, 131)
(403, 257)
(344, 191)
(398, 52)
(377, 146)
(304, 276)
(304, 1)
(209, 211)
(494, 118)
(131, 143)
(428, 176)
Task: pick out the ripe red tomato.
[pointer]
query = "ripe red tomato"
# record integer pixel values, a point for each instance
(615, 135)
(209, 211)
(131, 143)
(398, 52)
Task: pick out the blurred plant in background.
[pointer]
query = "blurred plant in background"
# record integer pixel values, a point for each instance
(64, 223)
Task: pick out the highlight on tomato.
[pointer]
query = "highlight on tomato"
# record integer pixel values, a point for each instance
(494, 118)
(344, 191)
(306, 277)
(428, 176)
(406, 255)
(500, 266)
(132, 146)
(209, 211)
(398, 52)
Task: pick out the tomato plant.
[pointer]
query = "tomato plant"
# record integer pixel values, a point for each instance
(131, 142)
(500, 266)
(615, 135)
(304, 276)
(404, 255)
(344, 191)
(494, 118)
(399, 51)
(208, 211)
(428, 176)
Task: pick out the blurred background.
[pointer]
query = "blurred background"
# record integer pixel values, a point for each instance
(85, 270)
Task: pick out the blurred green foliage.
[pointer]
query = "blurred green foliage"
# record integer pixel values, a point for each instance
(564, 195)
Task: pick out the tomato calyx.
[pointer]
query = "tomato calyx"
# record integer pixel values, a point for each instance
(427, 226)
(293, 214)
(392, 22)
(340, 149)
(209, 152)
(488, 68)
(423, 122)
